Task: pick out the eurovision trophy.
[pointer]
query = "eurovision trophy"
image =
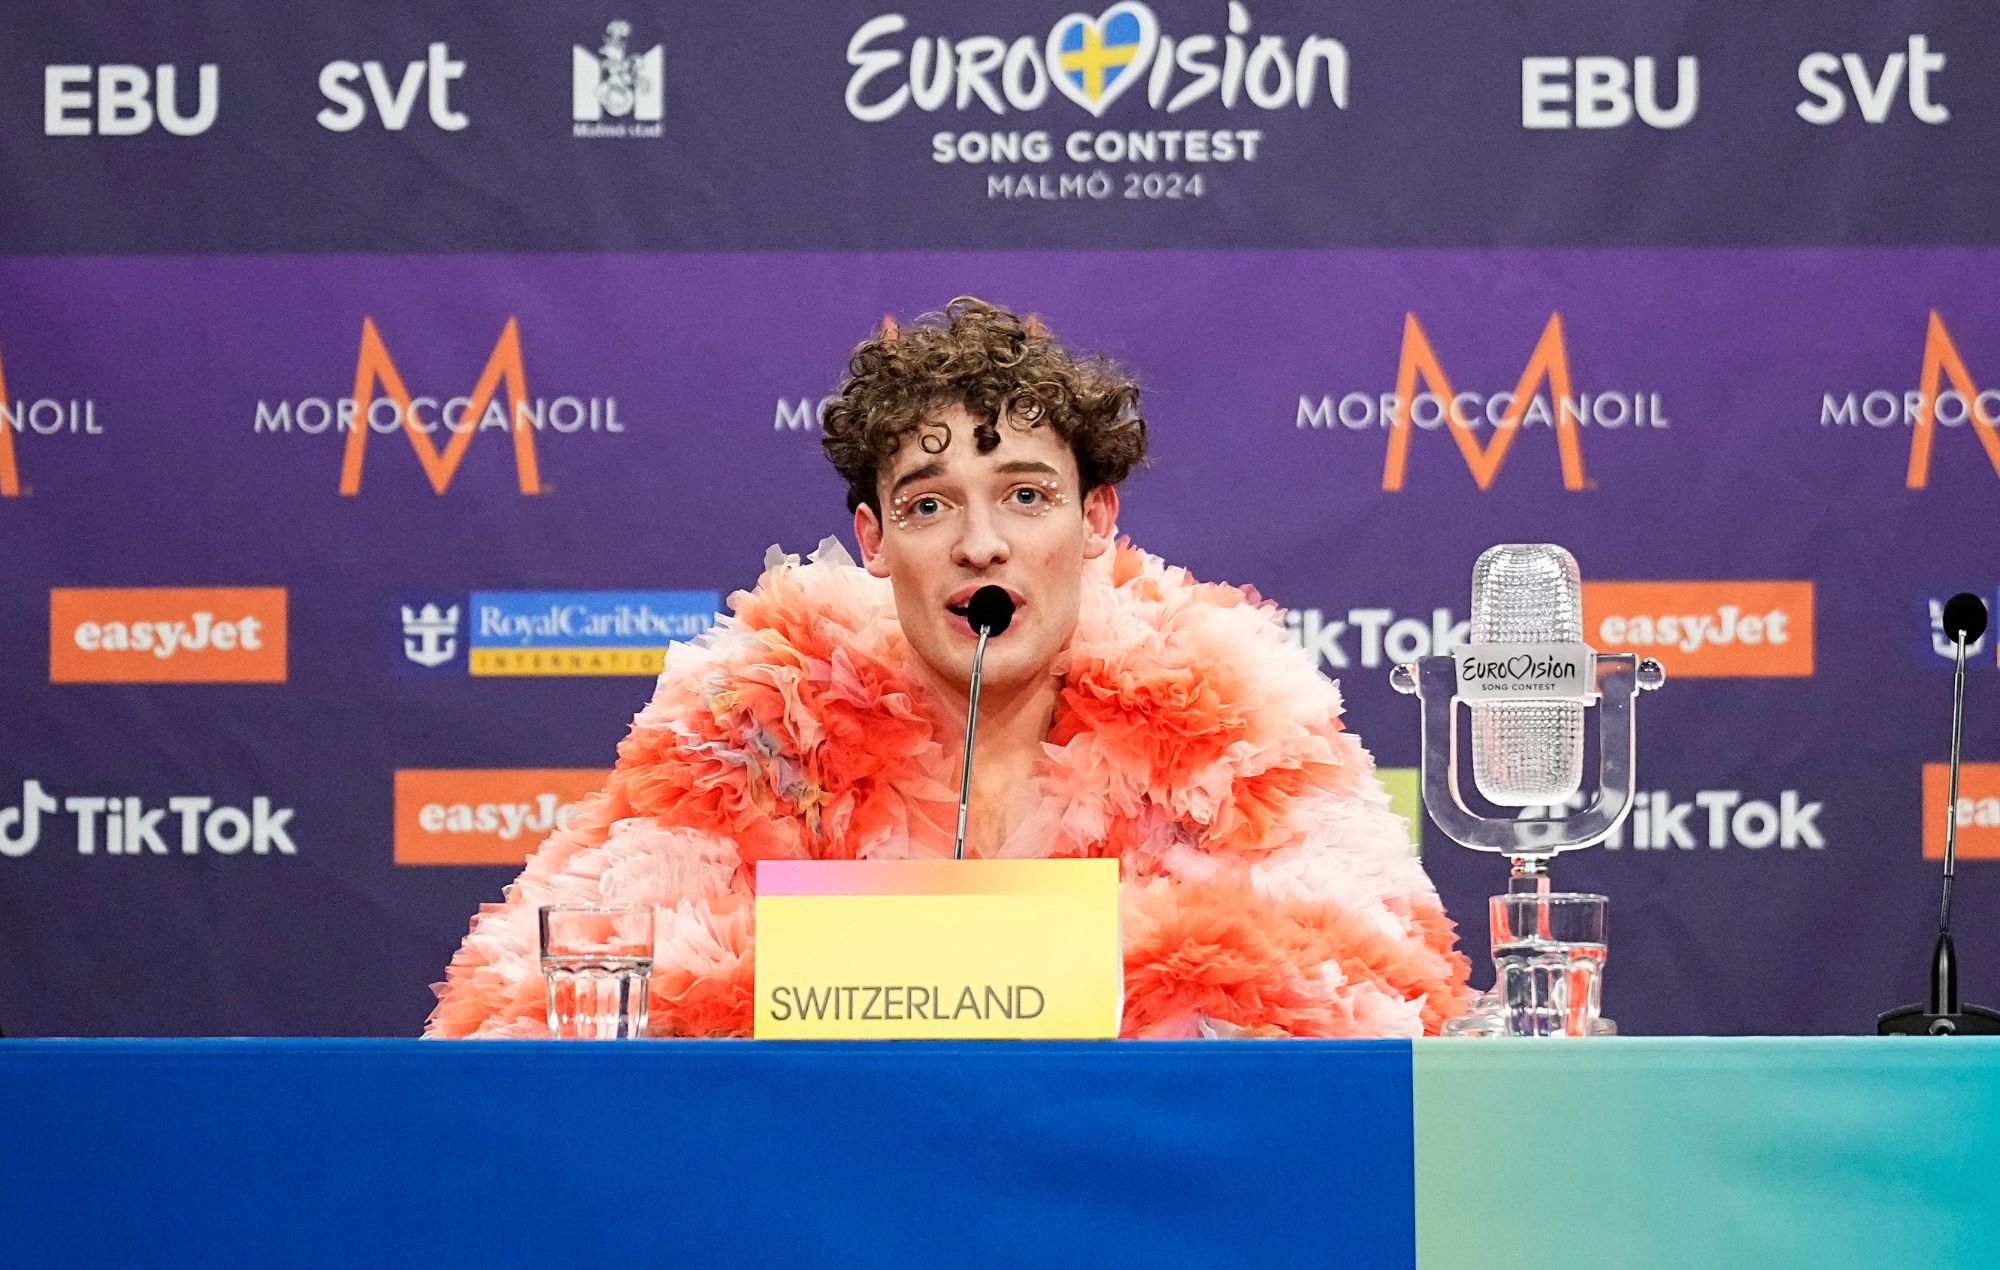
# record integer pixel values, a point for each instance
(1526, 677)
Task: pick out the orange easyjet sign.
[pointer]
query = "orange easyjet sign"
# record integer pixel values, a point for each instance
(1706, 628)
(131, 635)
(1978, 810)
(484, 815)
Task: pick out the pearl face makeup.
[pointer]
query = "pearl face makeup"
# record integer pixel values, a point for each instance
(955, 519)
(1032, 497)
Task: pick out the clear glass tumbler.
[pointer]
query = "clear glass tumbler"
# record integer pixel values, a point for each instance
(1548, 958)
(598, 961)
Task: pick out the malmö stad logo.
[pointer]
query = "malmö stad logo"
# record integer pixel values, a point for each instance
(614, 85)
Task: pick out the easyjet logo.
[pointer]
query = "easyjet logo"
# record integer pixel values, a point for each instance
(1707, 628)
(127, 635)
(1977, 810)
(484, 815)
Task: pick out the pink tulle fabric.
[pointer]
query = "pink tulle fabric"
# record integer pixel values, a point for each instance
(1267, 889)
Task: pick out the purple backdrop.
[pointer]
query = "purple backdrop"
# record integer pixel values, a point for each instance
(194, 306)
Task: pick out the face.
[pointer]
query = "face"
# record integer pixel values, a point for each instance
(958, 520)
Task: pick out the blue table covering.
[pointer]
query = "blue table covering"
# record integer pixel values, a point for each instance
(1258, 1153)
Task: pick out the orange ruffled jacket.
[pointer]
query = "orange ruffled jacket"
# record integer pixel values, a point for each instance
(1266, 887)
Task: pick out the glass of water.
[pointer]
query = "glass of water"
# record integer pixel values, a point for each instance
(598, 961)
(1548, 958)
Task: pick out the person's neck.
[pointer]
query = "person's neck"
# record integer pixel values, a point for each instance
(1014, 721)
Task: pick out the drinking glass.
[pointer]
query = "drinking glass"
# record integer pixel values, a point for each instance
(1548, 958)
(598, 961)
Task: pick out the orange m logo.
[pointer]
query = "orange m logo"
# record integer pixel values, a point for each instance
(1550, 361)
(376, 366)
(10, 476)
(1940, 359)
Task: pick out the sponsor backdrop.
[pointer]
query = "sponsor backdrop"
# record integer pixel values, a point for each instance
(385, 388)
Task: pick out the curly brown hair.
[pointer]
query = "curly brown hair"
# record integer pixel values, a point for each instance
(1000, 366)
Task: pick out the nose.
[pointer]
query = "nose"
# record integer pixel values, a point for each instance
(980, 545)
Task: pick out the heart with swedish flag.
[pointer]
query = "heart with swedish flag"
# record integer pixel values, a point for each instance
(1093, 60)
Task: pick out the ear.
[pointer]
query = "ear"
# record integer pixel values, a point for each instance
(1100, 517)
(868, 532)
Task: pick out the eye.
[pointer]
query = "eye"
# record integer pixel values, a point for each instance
(928, 505)
(1027, 496)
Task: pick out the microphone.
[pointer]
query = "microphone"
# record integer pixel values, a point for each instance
(990, 611)
(1964, 621)
(1531, 754)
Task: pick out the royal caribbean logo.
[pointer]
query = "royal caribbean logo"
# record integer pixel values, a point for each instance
(1944, 650)
(548, 633)
(1092, 62)
(38, 416)
(1424, 399)
(382, 404)
(615, 92)
(1925, 408)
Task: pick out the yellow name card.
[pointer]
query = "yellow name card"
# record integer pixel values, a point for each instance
(902, 949)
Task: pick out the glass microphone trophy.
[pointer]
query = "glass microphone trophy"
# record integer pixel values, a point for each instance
(1526, 677)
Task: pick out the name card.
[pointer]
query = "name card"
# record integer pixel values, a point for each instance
(970, 949)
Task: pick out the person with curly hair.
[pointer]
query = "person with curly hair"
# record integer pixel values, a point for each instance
(1127, 711)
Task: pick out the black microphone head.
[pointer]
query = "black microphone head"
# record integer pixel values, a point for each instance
(1965, 617)
(993, 609)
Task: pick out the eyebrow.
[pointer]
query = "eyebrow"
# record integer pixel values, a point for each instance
(924, 473)
(1017, 467)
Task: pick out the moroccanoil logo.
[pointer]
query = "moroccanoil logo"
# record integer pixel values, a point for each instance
(41, 416)
(1706, 629)
(1977, 812)
(1926, 407)
(131, 635)
(382, 403)
(484, 815)
(1425, 399)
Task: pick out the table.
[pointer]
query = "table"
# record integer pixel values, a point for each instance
(1630, 1152)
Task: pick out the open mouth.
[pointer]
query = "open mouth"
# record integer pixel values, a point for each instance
(960, 607)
